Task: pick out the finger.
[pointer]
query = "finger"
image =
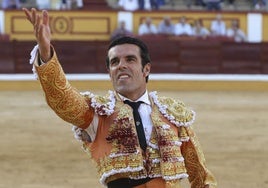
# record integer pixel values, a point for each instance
(37, 23)
(45, 18)
(28, 14)
(33, 15)
(37, 29)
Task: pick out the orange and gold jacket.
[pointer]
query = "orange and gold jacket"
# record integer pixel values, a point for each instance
(173, 151)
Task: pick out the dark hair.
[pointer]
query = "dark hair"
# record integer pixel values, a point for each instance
(145, 57)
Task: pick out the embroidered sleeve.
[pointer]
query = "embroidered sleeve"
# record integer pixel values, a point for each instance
(65, 100)
(199, 175)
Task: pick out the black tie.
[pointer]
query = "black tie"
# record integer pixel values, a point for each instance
(138, 122)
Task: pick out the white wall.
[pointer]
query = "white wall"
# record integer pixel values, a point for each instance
(2, 21)
(254, 27)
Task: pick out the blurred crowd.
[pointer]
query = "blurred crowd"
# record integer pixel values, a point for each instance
(134, 5)
(42, 4)
(195, 28)
(181, 27)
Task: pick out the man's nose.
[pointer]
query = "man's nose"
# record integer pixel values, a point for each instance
(122, 63)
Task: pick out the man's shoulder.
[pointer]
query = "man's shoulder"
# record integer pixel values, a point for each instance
(171, 101)
(174, 109)
(103, 104)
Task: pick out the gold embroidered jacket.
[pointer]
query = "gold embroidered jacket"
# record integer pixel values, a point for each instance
(173, 151)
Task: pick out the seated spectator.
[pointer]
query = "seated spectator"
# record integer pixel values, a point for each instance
(236, 33)
(72, 4)
(218, 27)
(182, 27)
(161, 2)
(121, 31)
(79, 4)
(259, 4)
(232, 4)
(213, 4)
(43, 4)
(155, 4)
(199, 30)
(129, 5)
(189, 3)
(11, 4)
(166, 26)
(150, 4)
(142, 4)
(147, 28)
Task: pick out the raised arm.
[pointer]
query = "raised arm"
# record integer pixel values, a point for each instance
(65, 100)
(41, 30)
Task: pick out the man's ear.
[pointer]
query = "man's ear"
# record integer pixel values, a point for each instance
(147, 69)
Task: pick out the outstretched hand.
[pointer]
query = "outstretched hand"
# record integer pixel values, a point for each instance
(41, 30)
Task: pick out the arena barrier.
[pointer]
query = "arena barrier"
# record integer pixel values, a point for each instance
(177, 82)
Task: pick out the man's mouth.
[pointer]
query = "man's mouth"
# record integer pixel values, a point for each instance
(123, 76)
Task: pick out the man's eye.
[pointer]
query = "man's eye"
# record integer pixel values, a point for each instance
(130, 59)
(114, 62)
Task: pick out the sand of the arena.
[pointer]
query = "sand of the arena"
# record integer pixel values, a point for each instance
(37, 149)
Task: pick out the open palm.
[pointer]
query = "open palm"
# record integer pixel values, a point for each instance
(41, 31)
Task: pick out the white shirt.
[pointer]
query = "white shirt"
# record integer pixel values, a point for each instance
(202, 32)
(145, 111)
(145, 29)
(129, 5)
(218, 28)
(238, 35)
(183, 29)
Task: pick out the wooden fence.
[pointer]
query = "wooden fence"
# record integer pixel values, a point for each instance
(169, 55)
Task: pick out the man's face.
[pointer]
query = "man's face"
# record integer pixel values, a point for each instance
(126, 72)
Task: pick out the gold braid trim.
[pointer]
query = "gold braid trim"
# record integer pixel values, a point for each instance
(66, 101)
(111, 168)
(173, 110)
(171, 163)
(199, 175)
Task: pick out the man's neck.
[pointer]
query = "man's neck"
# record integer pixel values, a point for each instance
(133, 98)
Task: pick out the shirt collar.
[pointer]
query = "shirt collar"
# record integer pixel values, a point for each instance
(144, 98)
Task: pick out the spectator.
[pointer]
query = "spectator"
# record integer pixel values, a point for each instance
(236, 33)
(199, 30)
(259, 4)
(147, 28)
(129, 5)
(11, 4)
(232, 4)
(141, 4)
(155, 4)
(189, 3)
(182, 27)
(149, 4)
(121, 31)
(79, 4)
(63, 5)
(166, 27)
(43, 4)
(218, 27)
(213, 4)
(161, 2)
